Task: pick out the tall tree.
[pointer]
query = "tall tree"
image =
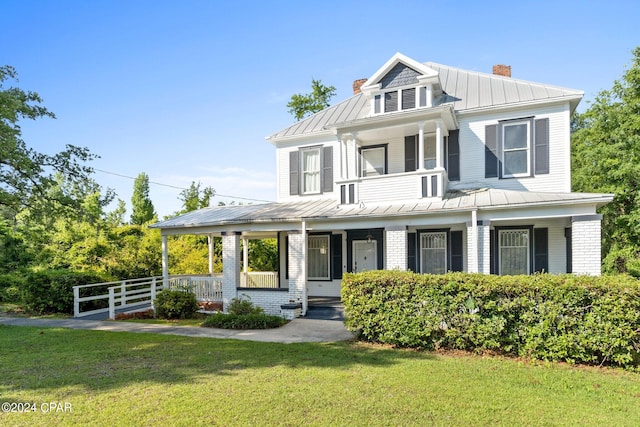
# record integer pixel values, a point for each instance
(25, 174)
(606, 158)
(303, 105)
(142, 207)
(193, 198)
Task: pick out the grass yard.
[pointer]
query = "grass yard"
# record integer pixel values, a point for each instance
(113, 378)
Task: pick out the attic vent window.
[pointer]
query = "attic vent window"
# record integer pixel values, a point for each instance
(402, 99)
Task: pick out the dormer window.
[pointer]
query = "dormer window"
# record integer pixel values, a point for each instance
(402, 99)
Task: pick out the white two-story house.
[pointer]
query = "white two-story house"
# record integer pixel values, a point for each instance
(428, 168)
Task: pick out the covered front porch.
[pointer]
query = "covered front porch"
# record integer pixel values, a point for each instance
(483, 231)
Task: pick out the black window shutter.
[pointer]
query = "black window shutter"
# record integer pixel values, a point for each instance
(456, 251)
(336, 256)
(411, 252)
(493, 252)
(410, 153)
(425, 186)
(567, 236)
(327, 169)
(541, 249)
(453, 156)
(541, 146)
(491, 162)
(294, 173)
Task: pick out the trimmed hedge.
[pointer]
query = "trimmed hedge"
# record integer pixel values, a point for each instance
(243, 321)
(51, 291)
(577, 319)
(176, 304)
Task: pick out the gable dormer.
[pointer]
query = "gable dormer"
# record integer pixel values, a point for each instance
(402, 84)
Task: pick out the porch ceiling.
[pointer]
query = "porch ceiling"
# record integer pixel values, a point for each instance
(454, 201)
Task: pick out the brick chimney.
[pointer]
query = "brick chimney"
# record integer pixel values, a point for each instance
(357, 84)
(502, 70)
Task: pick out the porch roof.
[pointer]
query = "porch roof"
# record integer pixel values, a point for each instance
(327, 209)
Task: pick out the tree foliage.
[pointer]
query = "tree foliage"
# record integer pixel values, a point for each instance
(142, 207)
(25, 174)
(303, 105)
(194, 198)
(606, 158)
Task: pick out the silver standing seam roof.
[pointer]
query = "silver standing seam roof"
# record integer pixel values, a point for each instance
(466, 90)
(458, 200)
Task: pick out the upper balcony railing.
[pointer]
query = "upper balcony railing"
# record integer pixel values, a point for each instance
(394, 187)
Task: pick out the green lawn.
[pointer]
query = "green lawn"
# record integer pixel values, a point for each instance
(113, 378)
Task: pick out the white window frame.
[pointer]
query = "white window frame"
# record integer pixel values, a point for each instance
(503, 128)
(363, 150)
(319, 237)
(501, 247)
(423, 248)
(317, 172)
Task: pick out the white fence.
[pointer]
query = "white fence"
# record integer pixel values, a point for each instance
(129, 295)
(259, 279)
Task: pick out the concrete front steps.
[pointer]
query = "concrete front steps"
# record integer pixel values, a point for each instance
(325, 308)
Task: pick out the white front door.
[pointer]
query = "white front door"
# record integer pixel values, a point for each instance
(365, 256)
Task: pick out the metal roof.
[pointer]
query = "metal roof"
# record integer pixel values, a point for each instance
(466, 90)
(458, 200)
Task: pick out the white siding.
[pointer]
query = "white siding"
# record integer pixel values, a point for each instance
(472, 135)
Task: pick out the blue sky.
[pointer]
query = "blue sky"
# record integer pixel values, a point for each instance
(187, 91)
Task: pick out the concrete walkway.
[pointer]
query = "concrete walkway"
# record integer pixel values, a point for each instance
(298, 330)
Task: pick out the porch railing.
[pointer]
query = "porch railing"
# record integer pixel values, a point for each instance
(206, 288)
(129, 295)
(259, 279)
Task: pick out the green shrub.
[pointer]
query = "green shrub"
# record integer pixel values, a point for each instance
(51, 291)
(243, 321)
(176, 304)
(242, 306)
(11, 285)
(578, 319)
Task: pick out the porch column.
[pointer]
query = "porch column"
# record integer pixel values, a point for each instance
(297, 268)
(165, 260)
(396, 248)
(421, 146)
(473, 246)
(245, 260)
(484, 246)
(439, 145)
(230, 266)
(586, 245)
(211, 252)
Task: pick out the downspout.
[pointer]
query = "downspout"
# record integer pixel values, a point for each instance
(474, 238)
(304, 267)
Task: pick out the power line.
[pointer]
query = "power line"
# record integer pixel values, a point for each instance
(180, 188)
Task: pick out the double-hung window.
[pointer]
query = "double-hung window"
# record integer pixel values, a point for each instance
(311, 171)
(318, 257)
(516, 149)
(373, 161)
(514, 256)
(433, 252)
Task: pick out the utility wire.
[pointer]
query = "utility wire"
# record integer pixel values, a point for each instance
(180, 188)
